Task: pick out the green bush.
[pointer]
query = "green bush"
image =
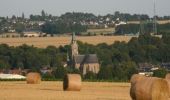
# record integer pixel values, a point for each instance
(160, 73)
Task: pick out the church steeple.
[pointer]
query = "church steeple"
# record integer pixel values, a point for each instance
(73, 37)
(74, 46)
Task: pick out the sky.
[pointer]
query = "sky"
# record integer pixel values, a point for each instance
(98, 7)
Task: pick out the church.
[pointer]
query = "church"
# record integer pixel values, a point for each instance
(85, 63)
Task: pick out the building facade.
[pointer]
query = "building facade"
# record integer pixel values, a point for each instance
(85, 63)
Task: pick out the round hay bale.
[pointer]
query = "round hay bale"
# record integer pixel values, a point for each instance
(150, 88)
(134, 79)
(72, 82)
(33, 78)
(167, 78)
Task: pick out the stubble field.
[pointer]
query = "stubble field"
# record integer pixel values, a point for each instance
(43, 42)
(54, 91)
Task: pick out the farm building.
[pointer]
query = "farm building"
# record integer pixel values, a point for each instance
(11, 76)
(85, 63)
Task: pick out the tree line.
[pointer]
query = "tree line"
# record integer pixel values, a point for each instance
(61, 26)
(118, 61)
(141, 28)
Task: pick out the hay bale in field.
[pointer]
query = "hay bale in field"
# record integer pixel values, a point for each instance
(149, 88)
(167, 78)
(134, 79)
(72, 82)
(33, 78)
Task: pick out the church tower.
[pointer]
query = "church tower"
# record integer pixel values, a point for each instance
(74, 46)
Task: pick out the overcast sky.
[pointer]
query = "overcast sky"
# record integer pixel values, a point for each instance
(102, 7)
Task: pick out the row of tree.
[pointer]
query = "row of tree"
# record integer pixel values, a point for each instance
(141, 28)
(118, 61)
(61, 26)
(79, 16)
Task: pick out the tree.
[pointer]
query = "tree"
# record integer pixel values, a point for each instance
(19, 27)
(90, 75)
(124, 70)
(23, 16)
(105, 73)
(13, 17)
(60, 72)
(160, 73)
(166, 38)
(43, 15)
(4, 65)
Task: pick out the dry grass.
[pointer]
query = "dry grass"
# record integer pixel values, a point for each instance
(43, 42)
(54, 91)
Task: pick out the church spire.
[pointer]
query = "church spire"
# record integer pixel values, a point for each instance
(74, 45)
(73, 37)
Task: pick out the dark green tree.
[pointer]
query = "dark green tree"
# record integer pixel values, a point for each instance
(19, 27)
(4, 65)
(90, 75)
(160, 73)
(60, 72)
(105, 73)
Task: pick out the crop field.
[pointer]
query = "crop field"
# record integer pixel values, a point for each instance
(43, 42)
(54, 91)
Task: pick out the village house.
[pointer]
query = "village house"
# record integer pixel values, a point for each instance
(46, 70)
(85, 63)
(145, 69)
(165, 65)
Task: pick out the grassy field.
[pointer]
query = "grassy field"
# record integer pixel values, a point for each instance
(54, 91)
(43, 42)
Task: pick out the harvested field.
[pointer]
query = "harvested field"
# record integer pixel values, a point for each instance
(101, 31)
(43, 42)
(54, 91)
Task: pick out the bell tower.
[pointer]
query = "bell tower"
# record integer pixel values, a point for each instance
(74, 46)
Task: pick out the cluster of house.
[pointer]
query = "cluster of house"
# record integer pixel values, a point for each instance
(11, 23)
(36, 24)
(25, 34)
(148, 68)
(106, 22)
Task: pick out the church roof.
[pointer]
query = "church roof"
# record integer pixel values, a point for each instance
(89, 58)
